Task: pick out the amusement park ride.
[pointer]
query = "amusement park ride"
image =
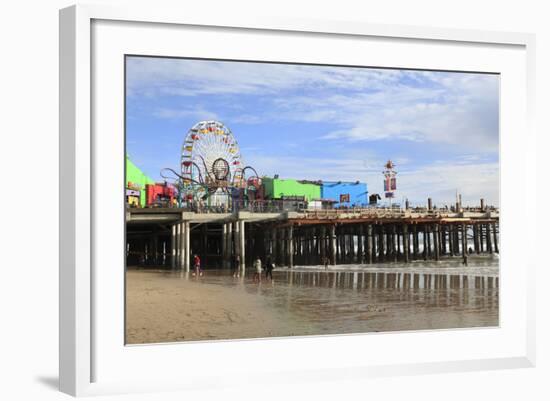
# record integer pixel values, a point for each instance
(212, 174)
(211, 168)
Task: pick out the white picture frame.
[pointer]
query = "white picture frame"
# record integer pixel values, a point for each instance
(84, 327)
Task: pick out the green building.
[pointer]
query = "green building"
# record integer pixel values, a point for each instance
(276, 188)
(136, 180)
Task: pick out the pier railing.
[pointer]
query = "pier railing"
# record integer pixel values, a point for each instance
(386, 213)
(279, 206)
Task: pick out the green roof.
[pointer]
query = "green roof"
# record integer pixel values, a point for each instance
(276, 188)
(138, 178)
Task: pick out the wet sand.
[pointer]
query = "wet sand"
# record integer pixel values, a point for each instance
(166, 307)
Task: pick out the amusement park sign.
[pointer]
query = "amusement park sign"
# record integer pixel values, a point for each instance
(390, 182)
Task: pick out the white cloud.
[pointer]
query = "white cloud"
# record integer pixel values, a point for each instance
(465, 116)
(367, 104)
(197, 113)
(440, 181)
(199, 77)
(308, 168)
(246, 119)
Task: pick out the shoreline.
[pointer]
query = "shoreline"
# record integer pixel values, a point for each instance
(477, 265)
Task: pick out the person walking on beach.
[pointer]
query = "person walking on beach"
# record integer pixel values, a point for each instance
(236, 266)
(197, 265)
(327, 260)
(258, 272)
(268, 268)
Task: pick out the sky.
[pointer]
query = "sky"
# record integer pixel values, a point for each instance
(313, 122)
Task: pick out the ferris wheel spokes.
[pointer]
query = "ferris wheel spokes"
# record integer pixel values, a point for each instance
(210, 155)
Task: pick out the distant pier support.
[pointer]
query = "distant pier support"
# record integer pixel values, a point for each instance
(173, 246)
(495, 237)
(242, 243)
(429, 235)
(382, 251)
(340, 248)
(415, 242)
(332, 233)
(237, 240)
(306, 245)
(443, 236)
(181, 245)
(323, 238)
(480, 238)
(450, 235)
(456, 232)
(187, 263)
(285, 245)
(464, 244)
(436, 241)
(394, 242)
(229, 244)
(425, 244)
(488, 239)
(370, 244)
(290, 247)
(224, 245)
(178, 245)
(475, 230)
(360, 251)
(406, 242)
(273, 249)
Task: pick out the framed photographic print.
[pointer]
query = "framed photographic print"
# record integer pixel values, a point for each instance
(241, 191)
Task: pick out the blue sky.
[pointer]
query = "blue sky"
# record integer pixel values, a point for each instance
(330, 123)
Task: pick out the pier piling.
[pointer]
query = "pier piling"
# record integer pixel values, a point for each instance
(332, 244)
(290, 247)
(173, 246)
(242, 245)
(495, 238)
(309, 238)
(370, 244)
(436, 241)
(464, 244)
(406, 242)
(488, 239)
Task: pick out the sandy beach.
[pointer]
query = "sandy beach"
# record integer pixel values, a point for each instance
(161, 308)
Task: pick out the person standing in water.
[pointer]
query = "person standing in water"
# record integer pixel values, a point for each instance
(268, 268)
(236, 266)
(258, 272)
(197, 265)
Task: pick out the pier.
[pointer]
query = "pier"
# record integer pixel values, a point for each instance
(169, 237)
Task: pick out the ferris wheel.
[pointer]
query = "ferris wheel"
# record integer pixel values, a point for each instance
(210, 162)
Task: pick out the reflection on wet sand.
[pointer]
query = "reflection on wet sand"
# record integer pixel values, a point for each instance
(309, 301)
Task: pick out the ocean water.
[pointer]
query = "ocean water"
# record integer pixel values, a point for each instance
(312, 300)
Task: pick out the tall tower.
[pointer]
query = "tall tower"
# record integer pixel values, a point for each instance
(390, 182)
